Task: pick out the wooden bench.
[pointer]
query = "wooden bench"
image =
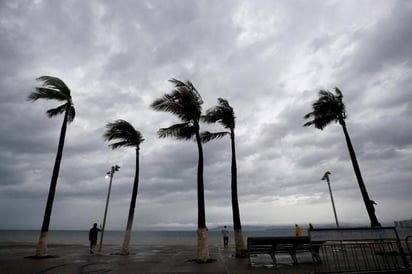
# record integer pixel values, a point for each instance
(274, 245)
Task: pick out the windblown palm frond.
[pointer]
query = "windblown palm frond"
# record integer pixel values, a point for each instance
(222, 113)
(71, 114)
(53, 89)
(184, 131)
(209, 136)
(55, 83)
(184, 102)
(188, 85)
(47, 94)
(169, 103)
(124, 132)
(56, 111)
(328, 108)
(61, 109)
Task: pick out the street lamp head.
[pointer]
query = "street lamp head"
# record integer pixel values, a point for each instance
(327, 173)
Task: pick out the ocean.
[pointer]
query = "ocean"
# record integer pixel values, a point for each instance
(80, 237)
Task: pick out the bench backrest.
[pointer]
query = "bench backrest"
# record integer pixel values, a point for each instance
(278, 240)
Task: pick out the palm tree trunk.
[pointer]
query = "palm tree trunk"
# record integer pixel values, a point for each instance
(237, 226)
(126, 242)
(41, 250)
(202, 246)
(369, 206)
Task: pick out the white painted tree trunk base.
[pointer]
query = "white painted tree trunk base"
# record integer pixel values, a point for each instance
(202, 246)
(126, 243)
(239, 243)
(41, 250)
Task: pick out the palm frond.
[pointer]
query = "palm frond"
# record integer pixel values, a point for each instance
(339, 98)
(47, 94)
(52, 89)
(169, 103)
(328, 108)
(119, 144)
(71, 114)
(183, 102)
(222, 113)
(308, 124)
(184, 131)
(55, 83)
(209, 136)
(177, 83)
(187, 85)
(56, 111)
(124, 132)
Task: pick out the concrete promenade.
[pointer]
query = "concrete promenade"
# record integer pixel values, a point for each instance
(75, 259)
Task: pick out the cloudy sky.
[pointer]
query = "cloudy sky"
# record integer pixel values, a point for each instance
(269, 59)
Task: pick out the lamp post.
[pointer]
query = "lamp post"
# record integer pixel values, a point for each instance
(109, 173)
(326, 177)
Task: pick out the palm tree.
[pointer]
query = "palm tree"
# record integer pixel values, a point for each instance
(330, 108)
(223, 114)
(53, 89)
(126, 136)
(185, 102)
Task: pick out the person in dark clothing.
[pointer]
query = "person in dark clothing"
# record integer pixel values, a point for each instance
(225, 234)
(93, 237)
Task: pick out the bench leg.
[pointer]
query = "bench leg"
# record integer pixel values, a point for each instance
(273, 256)
(316, 256)
(293, 256)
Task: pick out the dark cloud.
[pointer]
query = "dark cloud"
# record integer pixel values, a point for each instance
(268, 59)
(387, 44)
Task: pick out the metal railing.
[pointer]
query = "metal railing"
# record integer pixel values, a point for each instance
(360, 257)
(359, 250)
(408, 244)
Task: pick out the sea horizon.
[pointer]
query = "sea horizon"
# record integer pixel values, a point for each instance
(148, 237)
(138, 237)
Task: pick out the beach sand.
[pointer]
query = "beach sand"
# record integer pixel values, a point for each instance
(143, 259)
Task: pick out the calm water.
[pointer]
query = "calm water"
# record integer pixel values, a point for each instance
(74, 237)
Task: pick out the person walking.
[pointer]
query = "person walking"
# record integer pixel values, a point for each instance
(298, 230)
(225, 234)
(93, 237)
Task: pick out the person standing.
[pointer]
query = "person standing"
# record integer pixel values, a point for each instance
(225, 234)
(298, 230)
(93, 237)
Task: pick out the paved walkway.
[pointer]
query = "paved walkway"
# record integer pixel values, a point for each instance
(68, 259)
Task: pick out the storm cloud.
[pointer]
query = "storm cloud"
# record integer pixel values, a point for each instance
(269, 59)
